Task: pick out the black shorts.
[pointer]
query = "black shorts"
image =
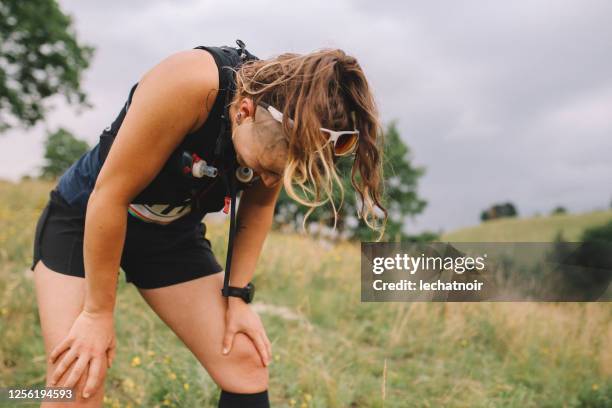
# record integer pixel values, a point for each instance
(153, 255)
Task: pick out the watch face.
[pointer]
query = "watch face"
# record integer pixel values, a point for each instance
(250, 292)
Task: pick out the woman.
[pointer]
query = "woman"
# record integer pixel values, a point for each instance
(137, 199)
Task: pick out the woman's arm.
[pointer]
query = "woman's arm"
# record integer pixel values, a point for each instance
(171, 100)
(254, 219)
(253, 222)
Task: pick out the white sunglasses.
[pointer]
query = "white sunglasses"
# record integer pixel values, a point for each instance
(345, 141)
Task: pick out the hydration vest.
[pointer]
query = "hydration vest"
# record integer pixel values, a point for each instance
(174, 196)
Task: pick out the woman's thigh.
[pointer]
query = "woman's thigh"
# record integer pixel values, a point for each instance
(60, 299)
(195, 311)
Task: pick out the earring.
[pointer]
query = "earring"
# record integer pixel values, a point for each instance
(238, 117)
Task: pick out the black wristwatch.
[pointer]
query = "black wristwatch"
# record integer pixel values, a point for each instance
(245, 293)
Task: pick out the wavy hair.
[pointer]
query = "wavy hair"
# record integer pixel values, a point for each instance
(322, 89)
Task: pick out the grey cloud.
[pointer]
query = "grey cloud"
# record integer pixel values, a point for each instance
(499, 101)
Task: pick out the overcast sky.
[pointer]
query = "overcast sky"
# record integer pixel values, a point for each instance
(497, 100)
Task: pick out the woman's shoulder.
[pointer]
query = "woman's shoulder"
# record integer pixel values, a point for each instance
(192, 67)
(191, 73)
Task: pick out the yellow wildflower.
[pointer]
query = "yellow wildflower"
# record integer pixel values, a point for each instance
(595, 387)
(171, 375)
(186, 386)
(307, 397)
(128, 383)
(291, 402)
(150, 353)
(135, 361)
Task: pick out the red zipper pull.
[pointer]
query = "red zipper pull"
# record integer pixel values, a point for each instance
(228, 201)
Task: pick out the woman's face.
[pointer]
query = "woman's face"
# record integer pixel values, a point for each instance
(260, 145)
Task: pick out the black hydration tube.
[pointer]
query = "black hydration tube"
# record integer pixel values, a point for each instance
(232, 232)
(229, 174)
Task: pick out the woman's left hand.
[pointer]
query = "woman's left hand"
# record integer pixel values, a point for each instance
(240, 318)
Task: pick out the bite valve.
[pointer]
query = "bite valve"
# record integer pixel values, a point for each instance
(201, 169)
(244, 174)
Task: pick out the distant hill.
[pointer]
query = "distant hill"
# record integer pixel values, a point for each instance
(536, 229)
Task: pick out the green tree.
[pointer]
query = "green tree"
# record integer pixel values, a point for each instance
(499, 211)
(400, 198)
(586, 268)
(61, 150)
(559, 210)
(39, 57)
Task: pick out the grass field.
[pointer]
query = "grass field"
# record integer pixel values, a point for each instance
(331, 350)
(536, 229)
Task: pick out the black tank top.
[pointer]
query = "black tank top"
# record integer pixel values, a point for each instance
(171, 198)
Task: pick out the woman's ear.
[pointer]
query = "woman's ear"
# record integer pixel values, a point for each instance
(246, 108)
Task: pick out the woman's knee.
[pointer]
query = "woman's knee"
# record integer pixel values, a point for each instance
(242, 370)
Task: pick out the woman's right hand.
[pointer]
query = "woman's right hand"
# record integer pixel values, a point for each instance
(91, 341)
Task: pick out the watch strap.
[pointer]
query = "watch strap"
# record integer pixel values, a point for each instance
(242, 293)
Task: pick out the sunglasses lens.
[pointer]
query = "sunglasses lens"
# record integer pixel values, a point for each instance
(345, 144)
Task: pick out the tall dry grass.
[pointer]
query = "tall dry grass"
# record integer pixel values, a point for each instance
(330, 350)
